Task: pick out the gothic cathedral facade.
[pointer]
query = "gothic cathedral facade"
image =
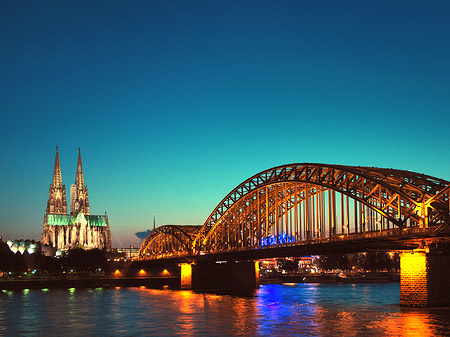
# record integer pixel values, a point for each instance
(63, 230)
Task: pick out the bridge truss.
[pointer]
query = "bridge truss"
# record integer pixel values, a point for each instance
(307, 202)
(169, 241)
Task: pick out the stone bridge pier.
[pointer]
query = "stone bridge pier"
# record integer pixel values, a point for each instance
(424, 278)
(220, 275)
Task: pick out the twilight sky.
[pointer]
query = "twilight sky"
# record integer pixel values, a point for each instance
(174, 103)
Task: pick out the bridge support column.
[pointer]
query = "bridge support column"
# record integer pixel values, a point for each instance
(424, 279)
(228, 275)
(186, 275)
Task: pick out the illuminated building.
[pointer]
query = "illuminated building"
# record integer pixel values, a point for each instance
(129, 252)
(62, 230)
(22, 246)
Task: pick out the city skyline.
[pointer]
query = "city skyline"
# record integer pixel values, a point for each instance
(175, 104)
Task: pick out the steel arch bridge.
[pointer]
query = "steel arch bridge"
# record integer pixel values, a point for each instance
(306, 203)
(169, 241)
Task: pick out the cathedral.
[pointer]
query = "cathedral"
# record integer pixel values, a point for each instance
(64, 230)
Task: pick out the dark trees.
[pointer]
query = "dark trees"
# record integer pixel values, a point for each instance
(85, 261)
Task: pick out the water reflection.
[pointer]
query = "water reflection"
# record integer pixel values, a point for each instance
(277, 310)
(287, 309)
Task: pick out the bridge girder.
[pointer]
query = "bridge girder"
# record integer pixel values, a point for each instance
(254, 208)
(168, 239)
(397, 195)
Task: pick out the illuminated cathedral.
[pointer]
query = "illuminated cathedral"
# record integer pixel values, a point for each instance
(63, 230)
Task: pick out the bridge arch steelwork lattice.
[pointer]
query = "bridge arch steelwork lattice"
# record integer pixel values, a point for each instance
(169, 241)
(306, 202)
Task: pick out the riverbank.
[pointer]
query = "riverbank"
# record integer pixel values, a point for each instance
(92, 282)
(174, 283)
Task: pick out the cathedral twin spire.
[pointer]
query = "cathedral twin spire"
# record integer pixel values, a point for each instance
(79, 179)
(57, 196)
(57, 177)
(79, 201)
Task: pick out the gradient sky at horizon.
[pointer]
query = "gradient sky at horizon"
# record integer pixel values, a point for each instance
(174, 103)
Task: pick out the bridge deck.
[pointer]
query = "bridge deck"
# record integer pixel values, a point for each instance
(386, 240)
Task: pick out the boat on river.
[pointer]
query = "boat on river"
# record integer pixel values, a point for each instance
(363, 277)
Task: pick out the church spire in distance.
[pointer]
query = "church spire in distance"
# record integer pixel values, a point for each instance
(79, 202)
(57, 196)
(57, 177)
(79, 179)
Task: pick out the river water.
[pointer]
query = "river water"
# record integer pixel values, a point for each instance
(273, 310)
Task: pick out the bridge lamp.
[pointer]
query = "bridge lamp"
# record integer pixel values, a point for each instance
(165, 272)
(142, 272)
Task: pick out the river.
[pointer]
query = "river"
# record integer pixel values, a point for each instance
(273, 310)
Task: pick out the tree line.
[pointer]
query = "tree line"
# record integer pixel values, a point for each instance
(74, 260)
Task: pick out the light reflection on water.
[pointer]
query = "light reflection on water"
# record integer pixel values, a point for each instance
(277, 310)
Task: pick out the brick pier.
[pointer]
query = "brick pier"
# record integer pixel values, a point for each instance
(424, 279)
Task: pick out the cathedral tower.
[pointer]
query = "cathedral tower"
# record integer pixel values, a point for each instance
(63, 231)
(79, 201)
(57, 196)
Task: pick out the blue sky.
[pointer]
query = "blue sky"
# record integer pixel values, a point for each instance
(174, 103)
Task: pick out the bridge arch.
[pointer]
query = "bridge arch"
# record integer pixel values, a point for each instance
(309, 202)
(169, 241)
(395, 198)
